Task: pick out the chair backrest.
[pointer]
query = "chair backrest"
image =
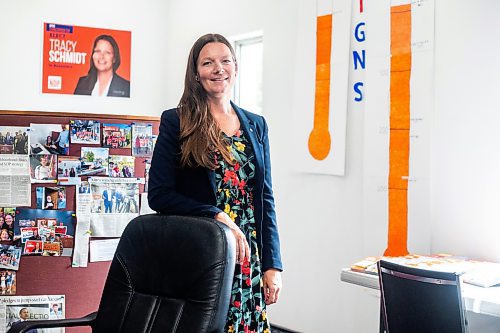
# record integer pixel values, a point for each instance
(169, 274)
(418, 300)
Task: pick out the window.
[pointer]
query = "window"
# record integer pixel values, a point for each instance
(248, 87)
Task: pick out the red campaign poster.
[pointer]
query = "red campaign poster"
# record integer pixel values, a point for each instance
(86, 61)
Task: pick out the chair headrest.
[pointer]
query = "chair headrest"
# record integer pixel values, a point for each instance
(177, 251)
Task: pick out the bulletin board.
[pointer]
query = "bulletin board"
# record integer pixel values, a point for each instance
(40, 275)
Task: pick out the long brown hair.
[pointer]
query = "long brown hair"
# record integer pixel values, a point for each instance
(199, 134)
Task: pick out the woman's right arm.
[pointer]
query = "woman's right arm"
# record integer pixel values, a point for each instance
(162, 194)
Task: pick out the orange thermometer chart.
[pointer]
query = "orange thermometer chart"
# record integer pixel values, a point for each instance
(399, 144)
(319, 139)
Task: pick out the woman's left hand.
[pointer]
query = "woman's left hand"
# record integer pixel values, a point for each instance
(272, 285)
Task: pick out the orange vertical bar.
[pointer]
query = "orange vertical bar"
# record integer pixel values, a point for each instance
(319, 140)
(399, 146)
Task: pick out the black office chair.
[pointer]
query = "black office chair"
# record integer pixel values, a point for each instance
(169, 274)
(420, 301)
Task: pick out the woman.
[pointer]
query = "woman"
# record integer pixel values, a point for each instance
(49, 143)
(4, 235)
(9, 222)
(44, 170)
(212, 159)
(102, 79)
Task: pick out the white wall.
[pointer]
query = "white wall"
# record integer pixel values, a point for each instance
(320, 217)
(21, 56)
(465, 164)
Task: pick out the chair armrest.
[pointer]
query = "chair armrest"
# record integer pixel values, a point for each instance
(24, 326)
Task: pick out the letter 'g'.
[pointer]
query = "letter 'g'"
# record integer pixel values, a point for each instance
(359, 35)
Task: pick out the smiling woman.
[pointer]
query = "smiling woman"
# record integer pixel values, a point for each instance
(102, 79)
(216, 69)
(212, 160)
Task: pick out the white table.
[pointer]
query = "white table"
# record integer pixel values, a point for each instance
(43, 150)
(476, 299)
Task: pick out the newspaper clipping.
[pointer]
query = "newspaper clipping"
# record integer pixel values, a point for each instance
(115, 202)
(15, 309)
(15, 185)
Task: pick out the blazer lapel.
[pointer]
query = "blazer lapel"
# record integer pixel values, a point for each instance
(250, 129)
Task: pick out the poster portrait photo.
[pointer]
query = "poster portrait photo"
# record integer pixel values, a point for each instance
(85, 61)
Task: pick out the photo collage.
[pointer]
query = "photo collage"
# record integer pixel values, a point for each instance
(61, 159)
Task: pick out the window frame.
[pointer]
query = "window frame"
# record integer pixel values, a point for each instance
(238, 44)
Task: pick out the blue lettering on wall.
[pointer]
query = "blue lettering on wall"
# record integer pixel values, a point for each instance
(359, 35)
(357, 58)
(358, 91)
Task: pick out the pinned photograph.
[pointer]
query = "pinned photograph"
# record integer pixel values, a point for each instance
(51, 197)
(116, 135)
(8, 282)
(94, 161)
(142, 139)
(14, 140)
(43, 168)
(9, 257)
(68, 168)
(85, 131)
(53, 226)
(121, 166)
(49, 139)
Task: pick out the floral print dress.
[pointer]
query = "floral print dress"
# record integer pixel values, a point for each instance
(247, 309)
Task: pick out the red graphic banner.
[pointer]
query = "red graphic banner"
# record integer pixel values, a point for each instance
(86, 61)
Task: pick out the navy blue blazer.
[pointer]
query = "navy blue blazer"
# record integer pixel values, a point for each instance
(191, 190)
(119, 87)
